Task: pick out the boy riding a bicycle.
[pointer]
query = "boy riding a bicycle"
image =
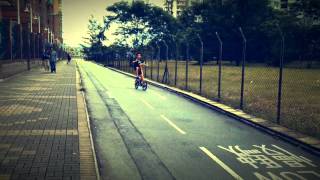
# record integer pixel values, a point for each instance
(138, 66)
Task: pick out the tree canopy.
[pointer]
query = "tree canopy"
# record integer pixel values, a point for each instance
(141, 25)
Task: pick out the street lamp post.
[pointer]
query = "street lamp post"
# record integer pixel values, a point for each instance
(28, 9)
(38, 35)
(20, 28)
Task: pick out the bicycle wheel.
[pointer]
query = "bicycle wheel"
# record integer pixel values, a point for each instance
(144, 85)
(136, 84)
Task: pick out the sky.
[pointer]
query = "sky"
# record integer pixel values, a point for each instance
(76, 14)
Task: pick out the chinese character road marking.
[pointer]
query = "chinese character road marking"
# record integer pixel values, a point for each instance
(269, 158)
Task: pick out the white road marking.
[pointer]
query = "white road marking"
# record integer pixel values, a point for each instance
(109, 94)
(173, 125)
(159, 95)
(223, 165)
(147, 104)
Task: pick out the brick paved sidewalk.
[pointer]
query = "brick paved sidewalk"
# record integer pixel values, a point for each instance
(44, 132)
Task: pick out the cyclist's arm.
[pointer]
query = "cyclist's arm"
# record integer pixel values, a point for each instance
(144, 64)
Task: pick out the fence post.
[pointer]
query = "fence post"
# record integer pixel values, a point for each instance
(128, 63)
(187, 65)
(122, 62)
(19, 28)
(119, 62)
(152, 56)
(176, 64)
(39, 38)
(280, 74)
(145, 67)
(244, 49)
(21, 41)
(108, 60)
(113, 61)
(201, 63)
(165, 77)
(158, 57)
(29, 49)
(34, 45)
(10, 40)
(220, 59)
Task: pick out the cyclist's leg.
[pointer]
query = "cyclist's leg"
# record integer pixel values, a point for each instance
(142, 75)
(137, 71)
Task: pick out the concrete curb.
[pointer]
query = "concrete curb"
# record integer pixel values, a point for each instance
(306, 142)
(87, 166)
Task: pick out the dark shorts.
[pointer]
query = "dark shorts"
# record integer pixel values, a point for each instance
(135, 65)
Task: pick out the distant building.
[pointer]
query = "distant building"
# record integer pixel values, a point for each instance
(46, 20)
(281, 4)
(57, 20)
(181, 5)
(131, 1)
(175, 7)
(41, 18)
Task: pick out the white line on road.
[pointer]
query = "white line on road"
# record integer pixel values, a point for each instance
(173, 125)
(109, 94)
(147, 104)
(223, 165)
(159, 95)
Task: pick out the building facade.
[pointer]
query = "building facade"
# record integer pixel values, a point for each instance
(281, 4)
(175, 7)
(39, 17)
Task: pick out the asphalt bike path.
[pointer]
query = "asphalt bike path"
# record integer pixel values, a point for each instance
(156, 134)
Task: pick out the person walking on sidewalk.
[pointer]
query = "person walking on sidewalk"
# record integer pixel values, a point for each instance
(69, 58)
(45, 58)
(53, 60)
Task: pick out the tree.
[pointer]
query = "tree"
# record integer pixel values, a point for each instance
(140, 22)
(92, 48)
(307, 14)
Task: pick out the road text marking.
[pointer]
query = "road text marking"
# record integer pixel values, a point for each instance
(173, 125)
(224, 166)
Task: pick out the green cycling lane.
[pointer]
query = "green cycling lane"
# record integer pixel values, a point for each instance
(156, 134)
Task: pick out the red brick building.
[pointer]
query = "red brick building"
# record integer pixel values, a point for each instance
(42, 19)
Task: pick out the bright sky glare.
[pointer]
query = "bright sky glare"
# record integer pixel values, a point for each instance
(77, 13)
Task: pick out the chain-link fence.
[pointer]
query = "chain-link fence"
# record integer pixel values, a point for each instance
(260, 75)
